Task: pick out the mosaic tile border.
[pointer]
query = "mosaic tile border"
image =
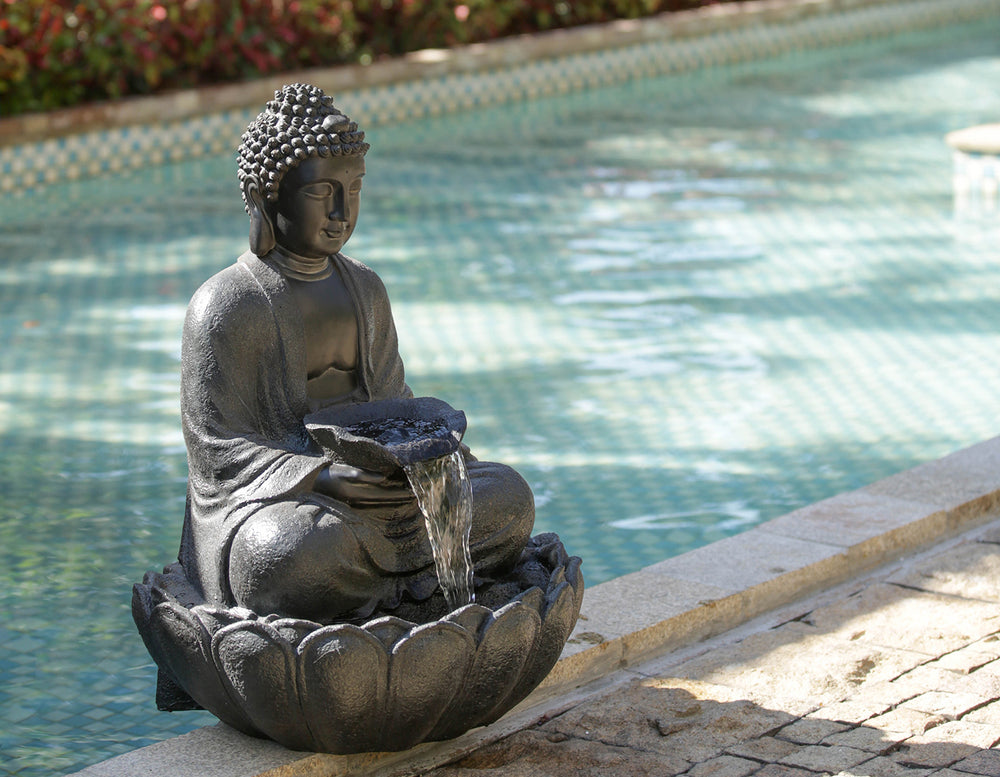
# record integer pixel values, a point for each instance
(714, 36)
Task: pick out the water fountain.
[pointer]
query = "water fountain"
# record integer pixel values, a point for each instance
(421, 436)
(350, 578)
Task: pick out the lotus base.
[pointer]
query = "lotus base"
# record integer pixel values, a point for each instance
(420, 673)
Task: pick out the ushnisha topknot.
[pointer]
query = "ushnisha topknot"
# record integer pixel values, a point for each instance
(300, 122)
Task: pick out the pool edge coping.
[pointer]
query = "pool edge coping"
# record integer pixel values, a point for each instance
(672, 604)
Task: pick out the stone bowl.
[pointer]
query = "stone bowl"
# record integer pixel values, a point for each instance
(388, 434)
(386, 684)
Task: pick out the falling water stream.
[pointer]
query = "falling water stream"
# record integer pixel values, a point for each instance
(444, 494)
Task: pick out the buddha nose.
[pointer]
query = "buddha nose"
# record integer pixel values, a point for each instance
(340, 210)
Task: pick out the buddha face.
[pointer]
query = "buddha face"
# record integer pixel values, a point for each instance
(317, 205)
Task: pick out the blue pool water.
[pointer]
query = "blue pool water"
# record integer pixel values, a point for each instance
(679, 308)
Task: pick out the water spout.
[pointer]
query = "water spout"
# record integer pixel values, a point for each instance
(444, 494)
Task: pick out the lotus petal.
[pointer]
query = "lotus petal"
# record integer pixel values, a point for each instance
(426, 670)
(161, 595)
(534, 598)
(174, 582)
(214, 618)
(258, 667)
(294, 630)
(345, 682)
(556, 555)
(471, 617)
(388, 629)
(505, 643)
(575, 578)
(557, 578)
(186, 650)
(142, 611)
(560, 615)
(557, 622)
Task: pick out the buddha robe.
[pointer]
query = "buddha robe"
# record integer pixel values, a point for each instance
(252, 464)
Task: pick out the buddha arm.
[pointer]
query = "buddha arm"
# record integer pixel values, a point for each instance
(242, 416)
(359, 486)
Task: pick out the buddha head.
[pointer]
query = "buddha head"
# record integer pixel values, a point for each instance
(300, 167)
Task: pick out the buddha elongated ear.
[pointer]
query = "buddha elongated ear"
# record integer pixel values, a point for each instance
(261, 227)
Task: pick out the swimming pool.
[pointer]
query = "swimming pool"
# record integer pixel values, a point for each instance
(679, 308)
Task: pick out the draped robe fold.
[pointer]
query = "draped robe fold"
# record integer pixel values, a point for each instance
(243, 401)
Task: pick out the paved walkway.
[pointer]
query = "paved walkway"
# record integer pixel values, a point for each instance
(894, 675)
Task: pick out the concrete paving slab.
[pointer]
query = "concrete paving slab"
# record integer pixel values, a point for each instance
(983, 682)
(908, 722)
(811, 731)
(747, 560)
(885, 767)
(533, 753)
(873, 699)
(993, 535)
(828, 759)
(652, 598)
(690, 720)
(947, 703)
(796, 661)
(985, 763)
(880, 703)
(765, 749)
(971, 571)
(968, 659)
(659, 608)
(867, 738)
(205, 750)
(947, 744)
(988, 714)
(724, 766)
(782, 770)
(885, 615)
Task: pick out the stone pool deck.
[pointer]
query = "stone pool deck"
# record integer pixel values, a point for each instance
(896, 675)
(859, 635)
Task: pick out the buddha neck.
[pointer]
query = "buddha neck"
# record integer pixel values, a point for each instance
(301, 268)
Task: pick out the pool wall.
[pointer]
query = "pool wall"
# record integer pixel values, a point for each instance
(105, 138)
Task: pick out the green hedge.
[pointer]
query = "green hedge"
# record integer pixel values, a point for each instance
(58, 53)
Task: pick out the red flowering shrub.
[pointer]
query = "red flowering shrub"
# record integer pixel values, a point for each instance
(56, 53)
(214, 41)
(61, 52)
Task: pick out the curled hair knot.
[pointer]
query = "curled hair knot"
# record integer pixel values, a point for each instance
(300, 122)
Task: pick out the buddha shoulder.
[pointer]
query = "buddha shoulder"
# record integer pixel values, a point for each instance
(363, 275)
(230, 298)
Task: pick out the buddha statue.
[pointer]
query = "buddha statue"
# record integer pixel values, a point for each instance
(305, 605)
(274, 522)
